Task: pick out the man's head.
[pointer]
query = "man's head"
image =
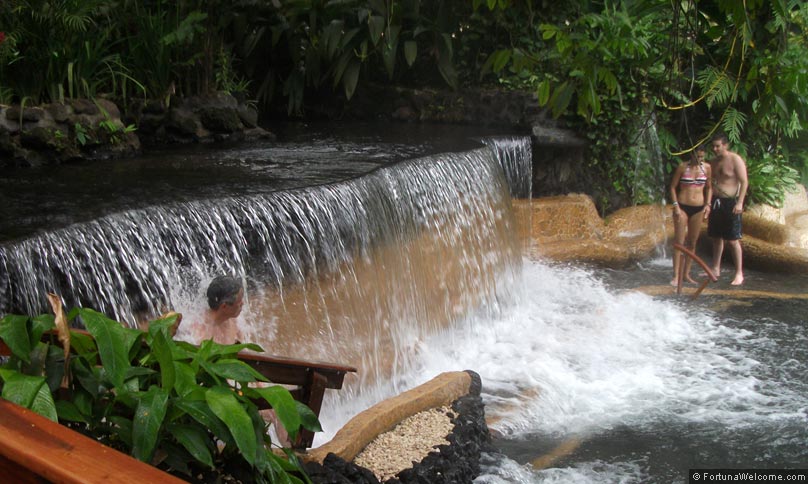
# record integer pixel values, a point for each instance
(720, 143)
(226, 293)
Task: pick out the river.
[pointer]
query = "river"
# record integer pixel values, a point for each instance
(584, 379)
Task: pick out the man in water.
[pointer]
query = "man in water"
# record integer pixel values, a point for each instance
(225, 301)
(729, 193)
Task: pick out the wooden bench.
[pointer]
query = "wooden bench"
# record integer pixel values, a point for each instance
(33, 448)
(310, 377)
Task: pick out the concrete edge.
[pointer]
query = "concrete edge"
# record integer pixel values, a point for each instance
(368, 424)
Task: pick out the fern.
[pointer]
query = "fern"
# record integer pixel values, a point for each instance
(733, 124)
(719, 86)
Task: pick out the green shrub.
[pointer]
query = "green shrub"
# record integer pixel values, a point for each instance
(186, 409)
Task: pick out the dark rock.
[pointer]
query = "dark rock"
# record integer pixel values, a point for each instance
(334, 470)
(33, 114)
(258, 134)
(185, 123)
(108, 108)
(248, 116)
(7, 122)
(39, 138)
(458, 462)
(83, 106)
(59, 112)
(220, 119)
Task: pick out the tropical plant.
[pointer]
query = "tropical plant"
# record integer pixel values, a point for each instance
(693, 67)
(303, 45)
(186, 409)
(770, 178)
(52, 56)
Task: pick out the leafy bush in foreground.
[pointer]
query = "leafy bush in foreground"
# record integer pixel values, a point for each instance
(186, 409)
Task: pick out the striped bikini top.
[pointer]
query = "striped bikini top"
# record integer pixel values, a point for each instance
(688, 179)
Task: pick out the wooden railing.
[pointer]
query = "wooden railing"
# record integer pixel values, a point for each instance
(36, 449)
(683, 266)
(312, 378)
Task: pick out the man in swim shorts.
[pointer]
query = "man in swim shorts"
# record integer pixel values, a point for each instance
(730, 183)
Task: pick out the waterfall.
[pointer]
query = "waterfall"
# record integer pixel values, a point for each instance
(330, 270)
(515, 155)
(649, 173)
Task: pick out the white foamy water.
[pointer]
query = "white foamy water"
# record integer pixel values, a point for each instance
(572, 358)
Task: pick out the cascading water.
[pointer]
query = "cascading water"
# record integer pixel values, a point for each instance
(354, 271)
(412, 270)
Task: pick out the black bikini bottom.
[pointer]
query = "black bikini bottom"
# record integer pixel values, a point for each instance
(691, 210)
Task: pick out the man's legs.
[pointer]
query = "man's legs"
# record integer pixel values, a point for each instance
(737, 259)
(718, 252)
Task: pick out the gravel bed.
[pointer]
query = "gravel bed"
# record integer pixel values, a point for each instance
(408, 443)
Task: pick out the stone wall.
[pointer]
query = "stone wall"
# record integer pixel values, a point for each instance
(82, 129)
(57, 133)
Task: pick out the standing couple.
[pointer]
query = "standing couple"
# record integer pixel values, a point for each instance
(694, 201)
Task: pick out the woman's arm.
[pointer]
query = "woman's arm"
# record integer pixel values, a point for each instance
(674, 188)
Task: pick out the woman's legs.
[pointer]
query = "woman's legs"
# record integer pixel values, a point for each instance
(693, 231)
(679, 232)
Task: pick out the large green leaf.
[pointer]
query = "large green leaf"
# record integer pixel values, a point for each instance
(162, 351)
(221, 350)
(351, 77)
(308, 420)
(40, 324)
(184, 378)
(164, 325)
(390, 50)
(194, 440)
(375, 27)
(151, 411)
(410, 51)
(202, 413)
(279, 468)
(123, 428)
(233, 369)
(43, 403)
(543, 92)
(113, 343)
(29, 392)
(230, 411)
(284, 406)
(83, 345)
(14, 332)
(68, 410)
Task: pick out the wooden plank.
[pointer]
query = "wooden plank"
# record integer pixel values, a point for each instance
(288, 371)
(60, 455)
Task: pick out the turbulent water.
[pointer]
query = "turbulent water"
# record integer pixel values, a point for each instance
(415, 269)
(635, 389)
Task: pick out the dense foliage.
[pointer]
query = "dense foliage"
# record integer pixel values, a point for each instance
(186, 409)
(693, 68)
(627, 74)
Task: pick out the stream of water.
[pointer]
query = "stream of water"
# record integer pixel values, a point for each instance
(414, 269)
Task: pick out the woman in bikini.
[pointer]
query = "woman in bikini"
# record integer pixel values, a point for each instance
(691, 191)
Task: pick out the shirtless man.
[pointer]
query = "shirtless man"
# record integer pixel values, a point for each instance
(225, 301)
(729, 192)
